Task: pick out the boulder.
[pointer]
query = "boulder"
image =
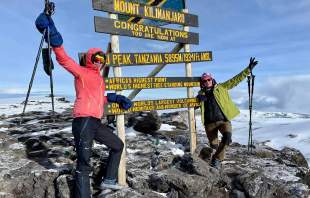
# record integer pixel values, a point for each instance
(147, 122)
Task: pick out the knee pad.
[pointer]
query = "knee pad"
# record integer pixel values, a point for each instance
(226, 138)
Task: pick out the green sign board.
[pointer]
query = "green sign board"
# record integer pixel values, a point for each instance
(125, 83)
(150, 105)
(123, 28)
(145, 11)
(134, 59)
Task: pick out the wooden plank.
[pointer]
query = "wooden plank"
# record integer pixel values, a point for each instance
(156, 70)
(109, 26)
(134, 59)
(127, 83)
(150, 105)
(145, 11)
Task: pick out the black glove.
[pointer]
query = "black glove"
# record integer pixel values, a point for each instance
(252, 63)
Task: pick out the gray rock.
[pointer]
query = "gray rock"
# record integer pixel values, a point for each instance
(64, 186)
(162, 160)
(36, 148)
(294, 156)
(147, 122)
(186, 185)
(179, 119)
(152, 168)
(127, 192)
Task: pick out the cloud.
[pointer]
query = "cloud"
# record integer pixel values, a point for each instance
(283, 6)
(284, 93)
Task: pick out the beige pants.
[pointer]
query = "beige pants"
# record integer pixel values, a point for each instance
(212, 133)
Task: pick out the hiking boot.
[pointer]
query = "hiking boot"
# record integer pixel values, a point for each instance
(110, 184)
(215, 163)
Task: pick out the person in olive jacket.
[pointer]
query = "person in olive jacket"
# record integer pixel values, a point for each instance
(218, 109)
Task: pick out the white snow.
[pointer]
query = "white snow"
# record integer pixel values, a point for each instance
(132, 151)
(177, 151)
(130, 132)
(16, 146)
(66, 129)
(166, 127)
(36, 103)
(276, 129)
(3, 129)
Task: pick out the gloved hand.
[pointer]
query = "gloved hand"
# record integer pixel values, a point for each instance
(201, 97)
(43, 22)
(123, 101)
(252, 63)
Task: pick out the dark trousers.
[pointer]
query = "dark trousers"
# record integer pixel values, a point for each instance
(85, 130)
(212, 133)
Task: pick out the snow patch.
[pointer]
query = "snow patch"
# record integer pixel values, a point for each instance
(16, 146)
(3, 129)
(132, 151)
(66, 129)
(130, 132)
(166, 127)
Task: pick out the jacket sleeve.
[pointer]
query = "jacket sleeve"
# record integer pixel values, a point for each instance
(67, 62)
(105, 100)
(231, 83)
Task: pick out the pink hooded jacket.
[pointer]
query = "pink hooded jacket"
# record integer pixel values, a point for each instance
(89, 84)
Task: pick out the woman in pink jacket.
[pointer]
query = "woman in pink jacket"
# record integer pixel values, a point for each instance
(88, 110)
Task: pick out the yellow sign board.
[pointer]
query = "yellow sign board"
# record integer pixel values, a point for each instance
(150, 105)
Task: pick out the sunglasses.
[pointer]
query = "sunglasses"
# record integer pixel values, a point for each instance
(99, 59)
(208, 80)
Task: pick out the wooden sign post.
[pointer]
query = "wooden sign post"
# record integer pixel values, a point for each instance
(191, 111)
(115, 59)
(120, 120)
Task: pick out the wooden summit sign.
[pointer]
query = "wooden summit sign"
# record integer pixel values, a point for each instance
(116, 27)
(150, 105)
(145, 11)
(125, 83)
(132, 59)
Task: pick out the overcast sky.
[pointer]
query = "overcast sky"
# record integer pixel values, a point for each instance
(276, 32)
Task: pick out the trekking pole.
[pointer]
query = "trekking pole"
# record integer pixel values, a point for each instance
(32, 76)
(252, 92)
(49, 11)
(251, 78)
(51, 73)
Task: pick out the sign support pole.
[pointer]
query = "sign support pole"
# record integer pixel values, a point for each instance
(191, 111)
(120, 121)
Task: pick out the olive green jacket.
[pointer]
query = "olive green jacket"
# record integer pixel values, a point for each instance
(222, 96)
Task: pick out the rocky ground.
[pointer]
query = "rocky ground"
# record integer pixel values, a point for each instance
(38, 158)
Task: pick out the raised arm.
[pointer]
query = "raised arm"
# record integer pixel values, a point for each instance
(66, 61)
(44, 22)
(231, 83)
